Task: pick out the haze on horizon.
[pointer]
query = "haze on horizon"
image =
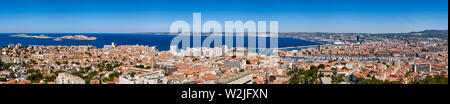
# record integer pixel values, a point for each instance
(131, 16)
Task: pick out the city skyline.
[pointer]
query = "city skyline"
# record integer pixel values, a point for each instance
(223, 51)
(113, 16)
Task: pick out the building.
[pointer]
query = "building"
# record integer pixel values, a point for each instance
(240, 78)
(358, 38)
(65, 78)
(421, 68)
(325, 80)
(11, 46)
(18, 45)
(234, 63)
(152, 78)
(113, 44)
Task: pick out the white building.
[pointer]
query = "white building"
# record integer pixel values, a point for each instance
(65, 78)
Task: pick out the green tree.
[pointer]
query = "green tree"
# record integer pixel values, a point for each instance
(33, 62)
(132, 74)
(109, 67)
(50, 78)
(375, 81)
(101, 69)
(437, 79)
(3, 79)
(140, 66)
(35, 77)
(321, 66)
(106, 79)
(79, 74)
(301, 76)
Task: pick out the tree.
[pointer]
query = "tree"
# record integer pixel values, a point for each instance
(148, 67)
(321, 66)
(106, 79)
(93, 74)
(114, 74)
(79, 74)
(35, 77)
(101, 69)
(3, 79)
(313, 67)
(50, 78)
(331, 61)
(321, 75)
(1, 63)
(254, 82)
(302, 76)
(241, 70)
(33, 61)
(140, 66)
(338, 79)
(109, 67)
(438, 79)
(375, 81)
(12, 75)
(132, 74)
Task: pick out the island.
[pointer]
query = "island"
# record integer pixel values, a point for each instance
(79, 37)
(42, 36)
(31, 36)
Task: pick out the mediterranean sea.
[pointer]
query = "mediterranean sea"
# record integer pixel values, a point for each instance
(162, 42)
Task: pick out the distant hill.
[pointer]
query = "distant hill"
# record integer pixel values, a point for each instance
(432, 33)
(435, 32)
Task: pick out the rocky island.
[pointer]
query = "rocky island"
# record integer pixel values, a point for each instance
(79, 37)
(31, 36)
(76, 37)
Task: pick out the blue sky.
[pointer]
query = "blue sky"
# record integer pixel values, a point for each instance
(128, 16)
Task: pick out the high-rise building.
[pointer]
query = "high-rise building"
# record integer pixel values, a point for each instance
(358, 38)
(318, 48)
(173, 49)
(113, 44)
(18, 45)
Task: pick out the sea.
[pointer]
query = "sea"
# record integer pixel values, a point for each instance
(162, 42)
